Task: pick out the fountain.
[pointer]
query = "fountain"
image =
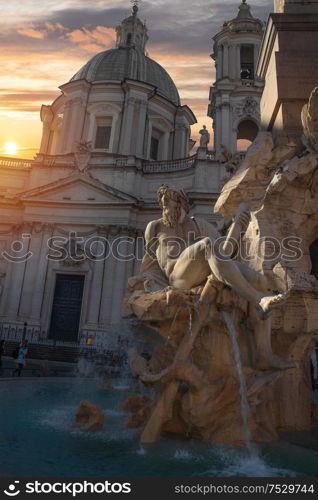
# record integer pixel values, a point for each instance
(42, 438)
(245, 409)
(238, 314)
(229, 370)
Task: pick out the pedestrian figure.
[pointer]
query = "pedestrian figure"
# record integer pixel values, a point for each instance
(2, 352)
(20, 360)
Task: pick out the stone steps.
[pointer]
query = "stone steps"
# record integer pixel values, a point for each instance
(68, 354)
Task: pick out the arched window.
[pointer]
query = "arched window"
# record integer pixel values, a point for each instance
(129, 37)
(314, 258)
(247, 62)
(246, 134)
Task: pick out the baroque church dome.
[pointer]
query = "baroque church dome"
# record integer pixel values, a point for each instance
(120, 102)
(129, 61)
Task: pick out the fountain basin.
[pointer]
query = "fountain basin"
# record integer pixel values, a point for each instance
(37, 438)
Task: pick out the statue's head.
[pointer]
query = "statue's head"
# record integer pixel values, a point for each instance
(174, 203)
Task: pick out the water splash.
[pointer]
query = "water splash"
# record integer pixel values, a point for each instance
(230, 462)
(141, 451)
(245, 409)
(182, 454)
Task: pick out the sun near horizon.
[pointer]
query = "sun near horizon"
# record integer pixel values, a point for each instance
(11, 148)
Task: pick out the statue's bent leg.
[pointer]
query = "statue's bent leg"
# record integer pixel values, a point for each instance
(198, 260)
(191, 268)
(228, 271)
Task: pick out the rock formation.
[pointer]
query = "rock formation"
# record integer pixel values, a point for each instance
(261, 274)
(89, 417)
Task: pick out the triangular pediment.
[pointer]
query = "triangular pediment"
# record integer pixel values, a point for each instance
(78, 188)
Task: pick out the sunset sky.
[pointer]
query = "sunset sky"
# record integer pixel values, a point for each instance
(45, 42)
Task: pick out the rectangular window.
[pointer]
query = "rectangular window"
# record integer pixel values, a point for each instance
(247, 62)
(154, 148)
(102, 140)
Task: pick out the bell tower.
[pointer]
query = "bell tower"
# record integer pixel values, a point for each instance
(235, 95)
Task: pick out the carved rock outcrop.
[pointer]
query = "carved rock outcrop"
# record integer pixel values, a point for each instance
(89, 417)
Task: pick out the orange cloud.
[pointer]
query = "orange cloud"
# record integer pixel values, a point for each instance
(53, 27)
(31, 32)
(99, 36)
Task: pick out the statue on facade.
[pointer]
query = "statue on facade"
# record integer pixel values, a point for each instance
(205, 137)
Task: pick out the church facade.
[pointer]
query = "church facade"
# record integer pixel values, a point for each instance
(71, 230)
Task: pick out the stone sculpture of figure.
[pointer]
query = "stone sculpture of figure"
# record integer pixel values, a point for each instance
(205, 137)
(184, 251)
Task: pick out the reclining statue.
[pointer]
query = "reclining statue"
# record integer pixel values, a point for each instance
(182, 251)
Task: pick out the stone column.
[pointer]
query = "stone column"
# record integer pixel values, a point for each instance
(218, 129)
(40, 275)
(108, 282)
(6, 281)
(226, 61)
(179, 146)
(32, 273)
(149, 140)
(47, 121)
(141, 128)
(76, 124)
(232, 62)
(120, 283)
(66, 126)
(96, 285)
(226, 124)
(220, 63)
(17, 276)
(127, 126)
(164, 146)
(256, 52)
(238, 61)
(56, 137)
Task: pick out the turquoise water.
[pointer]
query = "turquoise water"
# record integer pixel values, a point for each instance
(37, 439)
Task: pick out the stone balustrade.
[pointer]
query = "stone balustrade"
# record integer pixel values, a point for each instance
(153, 167)
(148, 167)
(15, 162)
